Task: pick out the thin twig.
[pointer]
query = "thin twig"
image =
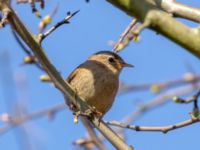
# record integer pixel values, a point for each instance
(126, 36)
(47, 19)
(28, 52)
(159, 100)
(183, 101)
(32, 2)
(195, 112)
(163, 129)
(188, 78)
(64, 21)
(26, 1)
(15, 120)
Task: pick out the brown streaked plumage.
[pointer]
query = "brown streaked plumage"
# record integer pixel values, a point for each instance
(97, 80)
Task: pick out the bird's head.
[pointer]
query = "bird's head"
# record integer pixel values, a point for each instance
(111, 60)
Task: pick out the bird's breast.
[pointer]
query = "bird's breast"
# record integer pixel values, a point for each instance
(98, 86)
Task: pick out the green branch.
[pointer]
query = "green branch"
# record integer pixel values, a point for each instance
(161, 22)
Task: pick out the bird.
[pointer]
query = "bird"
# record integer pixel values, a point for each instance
(96, 80)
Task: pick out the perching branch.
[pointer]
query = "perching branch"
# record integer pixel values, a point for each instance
(59, 83)
(92, 135)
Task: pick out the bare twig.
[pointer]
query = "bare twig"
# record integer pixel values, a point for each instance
(126, 36)
(195, 112)
(13, 105)
(32, 4)
(84, 143)
(15, 120)
(188, 78)
(26, 1)
(183, 101)
(47, 19)
(194, 99)
(41, 37)
(160, 100)
(163, 129)
(28, 52)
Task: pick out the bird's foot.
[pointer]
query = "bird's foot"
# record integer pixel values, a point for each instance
(96, 112)
(72, 106)
(88, 113)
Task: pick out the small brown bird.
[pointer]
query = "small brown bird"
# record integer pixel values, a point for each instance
(97, 80)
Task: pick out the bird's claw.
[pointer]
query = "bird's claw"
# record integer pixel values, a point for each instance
(88, 113)
(97, 112)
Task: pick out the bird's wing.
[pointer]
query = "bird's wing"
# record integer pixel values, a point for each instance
(72, 75)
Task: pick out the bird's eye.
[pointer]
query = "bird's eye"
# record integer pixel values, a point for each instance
(111, 60)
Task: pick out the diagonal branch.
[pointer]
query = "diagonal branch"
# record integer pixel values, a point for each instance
(58, 81)
(126, 36)
(93, 136)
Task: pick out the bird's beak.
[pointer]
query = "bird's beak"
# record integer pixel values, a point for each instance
(127, 65)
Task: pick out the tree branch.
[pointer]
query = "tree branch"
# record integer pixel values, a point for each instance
(179, 10)
(188, 78)
(163, 129)
(14, 121)
(58, 81)
(94, 138)
(159, 100)
(161, 22)
(42, 36)
(126, 36)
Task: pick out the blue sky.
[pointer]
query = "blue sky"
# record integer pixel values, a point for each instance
(155, 59)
